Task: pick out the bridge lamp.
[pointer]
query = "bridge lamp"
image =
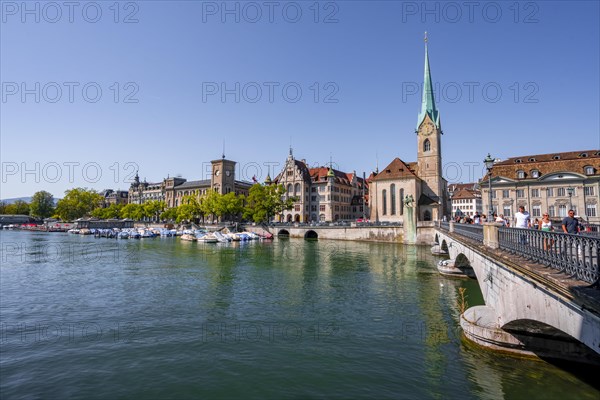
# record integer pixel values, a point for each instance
(570, 192)
(489, 164)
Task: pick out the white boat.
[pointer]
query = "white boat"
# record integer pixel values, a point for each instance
(243, 236)
(208, 238)
(233, 237)
(449, 268)
(220, 237)
(188, 237)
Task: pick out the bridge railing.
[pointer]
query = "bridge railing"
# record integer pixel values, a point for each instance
(575, 255)
(472, 231)
(445, 225)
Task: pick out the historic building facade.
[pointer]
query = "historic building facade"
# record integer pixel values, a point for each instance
(465, 199)
(114, 197)
(323, 194)
(421, 180)
(172, 189)
(551, 182)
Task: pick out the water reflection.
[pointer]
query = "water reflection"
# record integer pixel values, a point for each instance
(288, 318)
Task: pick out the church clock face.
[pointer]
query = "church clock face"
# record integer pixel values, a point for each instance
(228, 173)
(428, 129)
(217, 172)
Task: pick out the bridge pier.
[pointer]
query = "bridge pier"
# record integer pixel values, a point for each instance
(480, 325)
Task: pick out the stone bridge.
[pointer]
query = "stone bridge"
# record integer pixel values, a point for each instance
(529, 308)
(377, 233)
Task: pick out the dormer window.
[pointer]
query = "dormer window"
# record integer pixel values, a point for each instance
(518, 161)
(583, 155)
(532, 159)
(556, 157)
(535, 173)
(521, 174)
(589, 170)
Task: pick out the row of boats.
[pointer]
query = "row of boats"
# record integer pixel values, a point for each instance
(192, 235)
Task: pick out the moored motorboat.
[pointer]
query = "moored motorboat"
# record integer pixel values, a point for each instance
(188, 237)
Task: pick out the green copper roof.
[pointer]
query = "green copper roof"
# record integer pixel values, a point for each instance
(330, 173)
(428, 103)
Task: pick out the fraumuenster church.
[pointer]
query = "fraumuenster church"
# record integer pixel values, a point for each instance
(414, 184)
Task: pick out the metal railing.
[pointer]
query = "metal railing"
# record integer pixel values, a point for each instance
(575, 255)
(445, 226)
(472, 231)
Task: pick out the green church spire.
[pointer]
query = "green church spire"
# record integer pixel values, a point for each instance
(428, 102)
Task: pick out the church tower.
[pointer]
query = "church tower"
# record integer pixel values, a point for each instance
(429, 146)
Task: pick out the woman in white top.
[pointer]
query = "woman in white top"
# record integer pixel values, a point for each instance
(545, 225)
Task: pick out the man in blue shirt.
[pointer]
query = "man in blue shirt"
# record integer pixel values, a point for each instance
(570, 224)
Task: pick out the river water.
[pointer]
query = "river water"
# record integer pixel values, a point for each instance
(95, 318)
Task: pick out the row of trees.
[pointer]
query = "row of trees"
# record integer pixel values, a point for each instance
(41, 206)
(261, 203)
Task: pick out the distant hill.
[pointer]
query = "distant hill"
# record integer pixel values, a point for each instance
(25, 199)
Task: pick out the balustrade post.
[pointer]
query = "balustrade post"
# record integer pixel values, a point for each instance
(451, 229)
(491, 235)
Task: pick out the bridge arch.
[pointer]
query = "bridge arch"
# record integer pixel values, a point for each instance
(462, 261)
(311, 235)
(283, 233)
(444, 245)
(545, 340)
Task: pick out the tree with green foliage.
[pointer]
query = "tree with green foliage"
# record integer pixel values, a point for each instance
(266, 201)
(132, 211)
(42, 205)
(231, 205)
(77, 203)
(19, 207)
(3, 206)
(154, 208)
(189, 209)
(113, 211)
(210, 204)
(170, 214)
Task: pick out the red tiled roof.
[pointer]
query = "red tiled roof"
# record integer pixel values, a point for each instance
(460, 186)
(395, 170)
(571, 161)
(466, 194)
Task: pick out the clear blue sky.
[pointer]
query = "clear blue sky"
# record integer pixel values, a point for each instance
(543, 56)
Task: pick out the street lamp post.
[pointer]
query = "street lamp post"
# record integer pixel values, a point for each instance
(489, 164)
(570, 192)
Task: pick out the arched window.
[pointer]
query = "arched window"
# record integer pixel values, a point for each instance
(289, 188)
(426, 145)
(520, 174)
(384, 197)
(296, 189)
(392, 199)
